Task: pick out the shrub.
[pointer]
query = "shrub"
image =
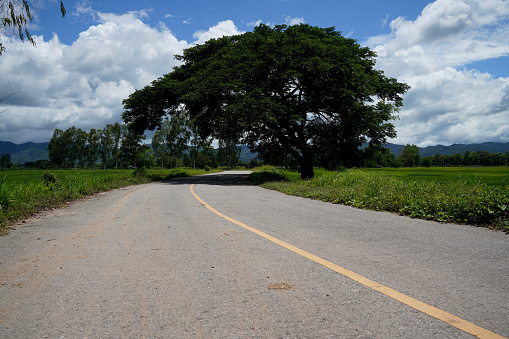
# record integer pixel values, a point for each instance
(51, 180)
(261, 177)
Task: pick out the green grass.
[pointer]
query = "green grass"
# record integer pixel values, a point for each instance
(25, 192)
(477, 196)
(491, 176)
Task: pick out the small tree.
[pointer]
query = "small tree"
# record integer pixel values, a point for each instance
(160, 142)
(131, 147)
(56, 149)
(410, 155)
(171, 139)
(107, 143)
(5, 161)
(197, 147)
(80, 146)
(145, 157)
(228, 153)
(116, 132)
(93, 146)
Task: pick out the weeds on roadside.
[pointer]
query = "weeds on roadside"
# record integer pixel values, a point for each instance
(456, 201)
(21, 198)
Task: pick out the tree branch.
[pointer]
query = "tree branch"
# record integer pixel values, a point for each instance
(13, 92)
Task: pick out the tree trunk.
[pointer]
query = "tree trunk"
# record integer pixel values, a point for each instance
(306, 169)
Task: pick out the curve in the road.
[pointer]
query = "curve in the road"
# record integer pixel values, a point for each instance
(407, 300)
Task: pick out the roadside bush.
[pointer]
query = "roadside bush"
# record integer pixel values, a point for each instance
(50, 180)
(258, 178)
(140, 172)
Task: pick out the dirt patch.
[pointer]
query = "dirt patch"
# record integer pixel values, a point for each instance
(281, 286)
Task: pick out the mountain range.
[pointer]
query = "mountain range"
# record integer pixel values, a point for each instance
(31, 151)
(492, 147)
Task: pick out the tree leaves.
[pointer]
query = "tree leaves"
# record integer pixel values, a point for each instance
(304, 91)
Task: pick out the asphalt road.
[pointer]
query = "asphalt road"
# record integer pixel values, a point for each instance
(152, 261)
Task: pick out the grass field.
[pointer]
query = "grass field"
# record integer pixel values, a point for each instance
(477, 196)
(491, 176)
(24, 192)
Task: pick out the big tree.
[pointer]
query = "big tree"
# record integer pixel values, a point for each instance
(302, 91)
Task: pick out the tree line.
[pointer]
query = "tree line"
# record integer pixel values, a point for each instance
(410, 157)
(113, 146)
(174, 144)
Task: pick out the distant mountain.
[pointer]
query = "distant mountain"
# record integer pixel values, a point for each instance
(29, 151)
(492, 147)
(245, 154)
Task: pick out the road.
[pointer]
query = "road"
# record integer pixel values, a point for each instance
(153, 261)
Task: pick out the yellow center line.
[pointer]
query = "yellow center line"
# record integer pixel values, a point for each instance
(409, 301)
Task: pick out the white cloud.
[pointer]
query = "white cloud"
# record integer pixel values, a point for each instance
(449, 102)
(223, 28)
(288, 21)
(82, 84)
(84, 7)
(293, 21)
(385, 20)
(447, 33)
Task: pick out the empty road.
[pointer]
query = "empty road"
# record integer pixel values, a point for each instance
(215, 257)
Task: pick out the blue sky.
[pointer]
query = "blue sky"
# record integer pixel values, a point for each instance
(184, 18)
(453, 53)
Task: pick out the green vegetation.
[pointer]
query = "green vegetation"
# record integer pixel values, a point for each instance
(23, 193)
(491, 176)
(477, 196)
(305, 95)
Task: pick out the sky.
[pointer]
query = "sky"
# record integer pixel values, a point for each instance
(453, 53)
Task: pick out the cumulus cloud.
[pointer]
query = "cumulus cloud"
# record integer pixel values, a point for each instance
(223, 28)
(83, 84)
(293, 21)
(449, 102)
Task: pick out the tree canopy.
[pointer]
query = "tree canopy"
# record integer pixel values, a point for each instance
(290, 91)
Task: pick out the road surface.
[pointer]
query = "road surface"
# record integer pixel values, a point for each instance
(161, 261)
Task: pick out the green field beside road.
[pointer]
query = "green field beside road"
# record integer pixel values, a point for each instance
(24, 192)
(491, 176)
(477, 196)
